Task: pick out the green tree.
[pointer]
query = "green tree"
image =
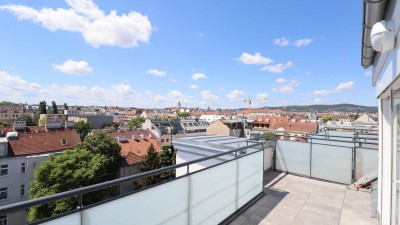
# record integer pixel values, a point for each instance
(4, 124)
(83, 128)
(107, 146)
(43, 107)
(184, 114)
(28, 118)
(268, 136)
(65, 106)
(135, 122)
(70, 170)
(150, 162)
(54, 107)
(167, 157)
(328, 118)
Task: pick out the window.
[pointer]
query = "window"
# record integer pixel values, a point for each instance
(23, 167)
(64, 142)
(3, 170)
(3, 193)
(3, 220)
(22, 190)
(167, 140)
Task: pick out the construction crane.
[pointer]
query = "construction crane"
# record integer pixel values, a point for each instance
(253, 100)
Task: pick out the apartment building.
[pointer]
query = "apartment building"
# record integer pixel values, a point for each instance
(380, 51)
(10, 113)
(22, 149)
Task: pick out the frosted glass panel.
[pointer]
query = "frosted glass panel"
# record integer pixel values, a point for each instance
(250, 177)
(293, 157)
(366, 161)
(163, 204)
(213, 193)
(331, 163)
(73, 219)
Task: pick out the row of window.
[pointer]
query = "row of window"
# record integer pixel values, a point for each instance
(4, 192)
(164, 140)
(4, 169)
(5, 115)
(195, 124)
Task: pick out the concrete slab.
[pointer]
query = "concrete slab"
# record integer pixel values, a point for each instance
(296, 200)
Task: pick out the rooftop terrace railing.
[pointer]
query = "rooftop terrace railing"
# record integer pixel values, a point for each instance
(337, 158)
(207, 196)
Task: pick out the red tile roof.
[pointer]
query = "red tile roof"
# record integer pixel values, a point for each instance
(134, 150)
(284, 122)
(35, 143)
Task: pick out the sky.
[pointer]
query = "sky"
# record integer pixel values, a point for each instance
(203, 53)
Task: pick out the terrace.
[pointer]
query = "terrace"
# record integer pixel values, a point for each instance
(238, 189)
(291, 199)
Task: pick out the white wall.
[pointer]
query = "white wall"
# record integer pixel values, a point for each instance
(15, 179)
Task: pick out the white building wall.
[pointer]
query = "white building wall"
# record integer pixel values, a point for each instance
(15, 179)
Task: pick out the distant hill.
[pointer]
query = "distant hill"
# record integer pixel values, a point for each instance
(328, 108)
(5, 103)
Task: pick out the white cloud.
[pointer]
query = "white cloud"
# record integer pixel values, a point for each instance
(235, 95)
(74, 67)
(285, 87)
(302, 42)
(281, 42)
(317, 100)
(174, 94)
(280, 80)
(341, 87)
(156, 72)
(262, 96)
(345, 86)
(308, 74)
(172, 80)
(207, 95)
(278, 68)
(197, 76)
(84, 17)
(222, 89)
(194, 86)
(256, 59)
(16, 89)
(368, 74)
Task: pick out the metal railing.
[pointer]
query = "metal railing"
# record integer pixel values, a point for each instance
(327, 157)
(236, 155)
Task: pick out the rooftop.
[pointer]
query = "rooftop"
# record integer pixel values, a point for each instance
(291, 199)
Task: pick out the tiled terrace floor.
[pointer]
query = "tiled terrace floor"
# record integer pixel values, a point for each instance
(297, 200)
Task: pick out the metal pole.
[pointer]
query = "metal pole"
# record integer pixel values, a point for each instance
(310, 157)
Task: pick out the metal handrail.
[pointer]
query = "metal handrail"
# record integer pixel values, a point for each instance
(83, 190)
(334, 140)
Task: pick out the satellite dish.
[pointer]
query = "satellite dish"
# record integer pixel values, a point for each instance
(382, 36)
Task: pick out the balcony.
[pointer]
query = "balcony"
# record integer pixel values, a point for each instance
(239, 190)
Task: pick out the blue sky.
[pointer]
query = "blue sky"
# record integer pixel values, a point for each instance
(153, 53)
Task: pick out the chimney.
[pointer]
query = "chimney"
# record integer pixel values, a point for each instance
(133, 137)
(149, 135)
(141, 136)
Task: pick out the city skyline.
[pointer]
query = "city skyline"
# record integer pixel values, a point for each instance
(153, 54)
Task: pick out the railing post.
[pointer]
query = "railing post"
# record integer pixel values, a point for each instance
(189, 201)
(237, 184)
(80, 206)
(310, 157)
